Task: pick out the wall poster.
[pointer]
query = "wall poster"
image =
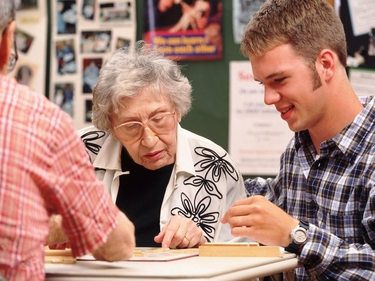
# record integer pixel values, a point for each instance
(257, 134)
(84, 33)
(185, 29)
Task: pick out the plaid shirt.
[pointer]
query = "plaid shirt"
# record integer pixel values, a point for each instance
(44, 169)
(335, 193)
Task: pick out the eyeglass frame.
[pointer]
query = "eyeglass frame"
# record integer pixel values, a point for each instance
(144, 124)
(13, 58)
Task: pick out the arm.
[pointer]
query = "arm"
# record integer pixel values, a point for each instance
(120, 243)
(90, 219)
(333, 258)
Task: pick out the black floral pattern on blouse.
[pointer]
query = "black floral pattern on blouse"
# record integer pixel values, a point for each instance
(214, 167)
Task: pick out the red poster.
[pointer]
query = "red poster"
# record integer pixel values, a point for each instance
(185, 29)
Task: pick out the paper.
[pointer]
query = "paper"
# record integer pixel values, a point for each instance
(155, 254)
(362, 81)
(362, 14)
(257, 134)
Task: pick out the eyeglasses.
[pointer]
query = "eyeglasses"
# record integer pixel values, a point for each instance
(160, 124)
(14, 55)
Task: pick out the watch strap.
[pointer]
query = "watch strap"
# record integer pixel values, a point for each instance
(293, 247)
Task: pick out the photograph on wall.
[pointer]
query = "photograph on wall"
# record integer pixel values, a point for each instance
(95, 41)
(23, 40)
(27, 5)
(63, 97)
(88, 9)
(91, 68)
(65, 56)
(185, 29)
(66, 16)
(122, 42)
(115, 12)
(25, 72)
(88, 110)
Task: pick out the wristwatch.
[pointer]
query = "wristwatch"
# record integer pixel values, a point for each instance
(298, 237)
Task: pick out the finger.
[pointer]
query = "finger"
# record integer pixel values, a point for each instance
(159, 238)
(169, 235)
(184, 243)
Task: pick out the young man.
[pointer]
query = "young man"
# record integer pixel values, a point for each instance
(45, 170)
(321, 205)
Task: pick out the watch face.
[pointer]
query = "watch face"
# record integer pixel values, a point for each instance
(300, 236)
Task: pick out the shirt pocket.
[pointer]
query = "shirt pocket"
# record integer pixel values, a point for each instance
(345, 226)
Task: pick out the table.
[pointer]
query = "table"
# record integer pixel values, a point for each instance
(188, 269)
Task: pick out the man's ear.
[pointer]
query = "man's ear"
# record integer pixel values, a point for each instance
(327, 62)
(6, 44)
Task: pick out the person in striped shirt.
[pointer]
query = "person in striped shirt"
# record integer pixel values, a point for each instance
(321, 204)
(45, 170)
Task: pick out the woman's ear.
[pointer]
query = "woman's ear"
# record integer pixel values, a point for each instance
(179, 117)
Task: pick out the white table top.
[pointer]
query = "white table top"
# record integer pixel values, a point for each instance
(193, 268)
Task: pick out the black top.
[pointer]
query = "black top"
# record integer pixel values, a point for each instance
(140, 197)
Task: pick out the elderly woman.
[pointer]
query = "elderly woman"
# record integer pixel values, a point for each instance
(173, 185)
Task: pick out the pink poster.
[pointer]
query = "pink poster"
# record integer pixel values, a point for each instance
(185, 29)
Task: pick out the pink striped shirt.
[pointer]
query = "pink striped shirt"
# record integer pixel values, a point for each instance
(44, 169)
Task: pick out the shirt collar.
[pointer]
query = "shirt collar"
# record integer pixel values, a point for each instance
(349, 140)
(109, 156)
(184, 160)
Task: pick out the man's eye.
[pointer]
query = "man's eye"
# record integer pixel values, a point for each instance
(279, 80)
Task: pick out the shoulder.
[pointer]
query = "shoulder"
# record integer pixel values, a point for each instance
(26, 106)
(93, 139)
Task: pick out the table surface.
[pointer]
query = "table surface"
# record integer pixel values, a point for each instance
(192, 268)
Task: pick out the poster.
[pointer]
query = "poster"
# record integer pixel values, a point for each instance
(257, 134)
(362, 81)
(31, 42)
(243, 11)
(84, 33)
(362, 15)
(185, 29)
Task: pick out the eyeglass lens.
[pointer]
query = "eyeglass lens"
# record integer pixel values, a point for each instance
(13, 56)
(159, 124)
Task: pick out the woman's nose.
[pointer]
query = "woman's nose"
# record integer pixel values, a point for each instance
(149, 137)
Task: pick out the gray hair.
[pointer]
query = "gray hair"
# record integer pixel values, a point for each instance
(127, 72)
(7, 13)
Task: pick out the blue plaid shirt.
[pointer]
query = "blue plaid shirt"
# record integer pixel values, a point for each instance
(335, 193)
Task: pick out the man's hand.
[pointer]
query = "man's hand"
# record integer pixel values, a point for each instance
(259, 219)
(180, 232)
(56, 237)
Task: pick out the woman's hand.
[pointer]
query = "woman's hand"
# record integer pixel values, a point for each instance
(180, 232)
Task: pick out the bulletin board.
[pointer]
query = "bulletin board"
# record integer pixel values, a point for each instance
(354, 42)
(83, 33)
(31, 42)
